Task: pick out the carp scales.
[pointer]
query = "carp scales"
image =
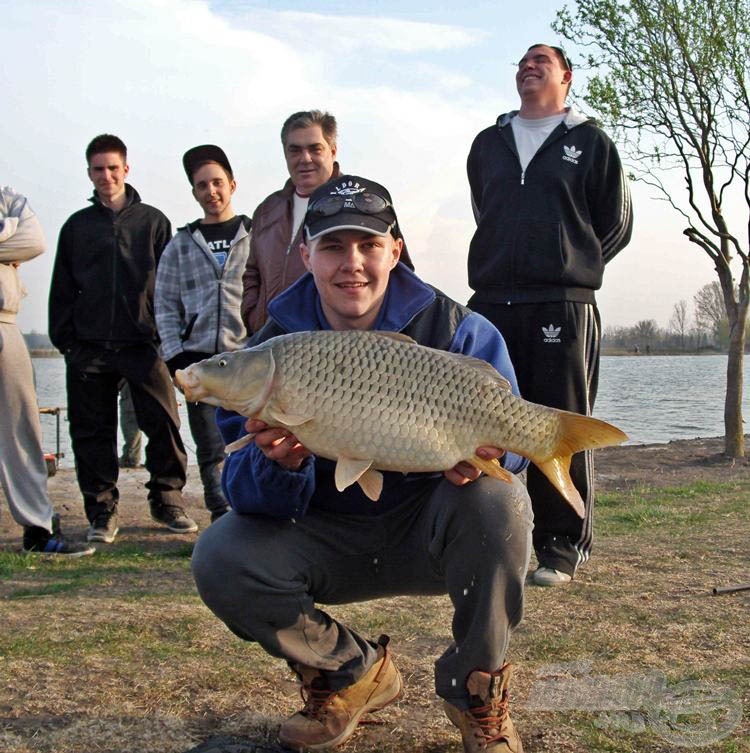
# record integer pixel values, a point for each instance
(377, 401)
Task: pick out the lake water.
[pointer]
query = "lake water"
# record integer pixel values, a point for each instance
(652, 398)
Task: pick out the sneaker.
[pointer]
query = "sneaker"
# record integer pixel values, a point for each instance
(330, 717)
(103, 527)
(39, 540)
(548, 576)
(486, 727)
(173, 517)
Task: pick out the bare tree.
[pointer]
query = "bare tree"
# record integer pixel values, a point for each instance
(710, 312)
(645, 332)
(679, 323)
(672, 80)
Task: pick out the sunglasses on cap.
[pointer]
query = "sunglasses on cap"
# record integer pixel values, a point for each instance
(367, 203)
(559, 50)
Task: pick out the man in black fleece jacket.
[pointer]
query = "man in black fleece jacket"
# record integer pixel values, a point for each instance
(101, 317)
(552, 207)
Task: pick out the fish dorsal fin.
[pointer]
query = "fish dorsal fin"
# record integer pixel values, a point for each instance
(485, 368)
(351, 470)
(288, 419)
(477, 363)
(399, 336)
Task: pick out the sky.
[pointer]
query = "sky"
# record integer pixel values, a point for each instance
(410, 84)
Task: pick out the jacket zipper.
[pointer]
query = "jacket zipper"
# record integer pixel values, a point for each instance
(114, 278)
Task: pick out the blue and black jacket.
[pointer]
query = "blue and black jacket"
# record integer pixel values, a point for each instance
(253, 484)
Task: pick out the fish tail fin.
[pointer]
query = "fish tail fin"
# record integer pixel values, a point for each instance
(557, 470)
(578, 433)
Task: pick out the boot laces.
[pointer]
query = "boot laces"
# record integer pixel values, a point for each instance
(490, 721)
(315, 699)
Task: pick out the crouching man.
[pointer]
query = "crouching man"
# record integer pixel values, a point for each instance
(292, 540)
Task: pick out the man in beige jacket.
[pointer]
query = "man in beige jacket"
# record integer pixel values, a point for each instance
(23, 471)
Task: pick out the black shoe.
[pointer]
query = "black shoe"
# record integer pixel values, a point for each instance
(173, 517)
(103, 527)
(39, 540)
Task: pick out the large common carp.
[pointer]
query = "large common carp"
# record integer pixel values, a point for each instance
(378, 401)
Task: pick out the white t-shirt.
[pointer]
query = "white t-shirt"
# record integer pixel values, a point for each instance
(300, 207)
(530, 134)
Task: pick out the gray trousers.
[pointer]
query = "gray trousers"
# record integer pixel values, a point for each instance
(263, 576)
(23, 472)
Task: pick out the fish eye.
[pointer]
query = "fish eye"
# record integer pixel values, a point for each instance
(222, 363)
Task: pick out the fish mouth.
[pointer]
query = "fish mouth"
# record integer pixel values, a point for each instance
(190, 385)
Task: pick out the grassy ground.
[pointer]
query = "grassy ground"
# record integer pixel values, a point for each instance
(115, 653)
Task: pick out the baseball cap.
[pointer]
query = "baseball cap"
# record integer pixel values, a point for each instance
(350, 202)
(204, 153)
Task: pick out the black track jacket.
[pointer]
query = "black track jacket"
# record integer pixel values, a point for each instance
(546, 234)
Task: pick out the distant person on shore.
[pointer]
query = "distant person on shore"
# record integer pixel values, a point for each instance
(100, 318)
(198, 297)
(552, 207)
(23, 470)
(308, 138)
(132, 437)
(293, 542)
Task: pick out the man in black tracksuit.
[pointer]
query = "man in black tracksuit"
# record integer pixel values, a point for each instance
(101, 317)
(552, 208)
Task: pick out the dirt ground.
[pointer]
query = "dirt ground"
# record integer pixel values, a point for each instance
(679, 462)
(112, 681)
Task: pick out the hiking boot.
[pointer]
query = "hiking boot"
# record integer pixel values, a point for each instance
(173, 517)
(330, 717)
(39, 540)
(486, 727)
(548, 576)
(103, 527)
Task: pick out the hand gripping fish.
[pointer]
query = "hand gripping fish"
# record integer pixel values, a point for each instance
(378, 401)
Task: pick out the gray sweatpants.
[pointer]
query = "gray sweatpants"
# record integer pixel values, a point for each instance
(23, 472)
(263, 576)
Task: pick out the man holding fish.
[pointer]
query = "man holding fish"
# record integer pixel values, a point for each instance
(303, 532)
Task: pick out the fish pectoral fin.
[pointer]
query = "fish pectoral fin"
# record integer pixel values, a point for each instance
(491, 468)
(238, 444)
(288, 419)
(557, 470)
(351, 470)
